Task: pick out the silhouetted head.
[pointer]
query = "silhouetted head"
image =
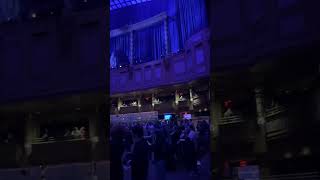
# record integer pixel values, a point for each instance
(137, 131)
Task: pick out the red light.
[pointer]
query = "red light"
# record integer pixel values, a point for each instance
(227, 104)
(243, 163)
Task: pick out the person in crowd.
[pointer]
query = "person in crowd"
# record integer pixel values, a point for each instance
(190, 155)
(139, 155)
(76, 132)
(117, 148)
(192, 134)
(45, 135)
(43, 171)
(179, 137)
(83, 132)
(160, 153)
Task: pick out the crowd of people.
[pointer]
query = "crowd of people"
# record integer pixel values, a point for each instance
(163, 145)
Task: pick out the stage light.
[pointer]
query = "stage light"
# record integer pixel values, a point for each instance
(34, 15)
(288, 155)
(306, 151)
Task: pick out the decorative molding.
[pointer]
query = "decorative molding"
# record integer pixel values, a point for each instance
(140, 25)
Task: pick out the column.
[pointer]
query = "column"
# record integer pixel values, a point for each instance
(260, 145)
(215, 116)
(94, 139)
(93, 130)
(119, 104)
(131, 48)
(139, 103)
(30, 135)
(176, 99)
(166, 36)
(153, 99)
(191, 99)
(316, 100)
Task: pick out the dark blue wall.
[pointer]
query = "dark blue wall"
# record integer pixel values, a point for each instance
(57, 55)
(247, 32)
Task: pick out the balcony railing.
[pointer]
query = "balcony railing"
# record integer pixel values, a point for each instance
(276, 122)
(235, 119)
(56, 139)
(192, 64)
(274, 111)
(296, 176)
(304, 176)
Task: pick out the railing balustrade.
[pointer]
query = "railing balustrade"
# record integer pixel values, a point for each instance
(234, 119)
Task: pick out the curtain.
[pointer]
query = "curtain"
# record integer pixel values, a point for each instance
(119, 45)
(149, 44)
(191, 16)
(136, 13)
(174, 39)
(9, 9)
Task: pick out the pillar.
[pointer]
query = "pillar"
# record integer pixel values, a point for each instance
(191, 99)
(94, 139)
(131, 48)
(215, 116)
(30, 135)
(93, 130)
(316, 102)
(153, 99)
(176, 99)
(166, 36)
(139, 103)
(260, 145)
(119, 104)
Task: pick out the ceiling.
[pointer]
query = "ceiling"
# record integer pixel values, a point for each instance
(118, 4)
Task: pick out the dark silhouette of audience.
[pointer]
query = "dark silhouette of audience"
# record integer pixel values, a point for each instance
(162, 145)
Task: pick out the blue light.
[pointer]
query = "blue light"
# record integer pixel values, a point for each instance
(117, 4)
(167, 116)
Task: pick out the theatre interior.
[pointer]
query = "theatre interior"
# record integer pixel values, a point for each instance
(160, 70)
(265, 83)
(53, 85)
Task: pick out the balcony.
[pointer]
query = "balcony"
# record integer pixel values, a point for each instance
(276, 122)
(129, 109)
(254, 30)
(235, 119)
(236, 129)
(273, 111)
(55, 152)
(192, 64)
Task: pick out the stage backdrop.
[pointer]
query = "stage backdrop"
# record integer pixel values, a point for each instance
(186, 17)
